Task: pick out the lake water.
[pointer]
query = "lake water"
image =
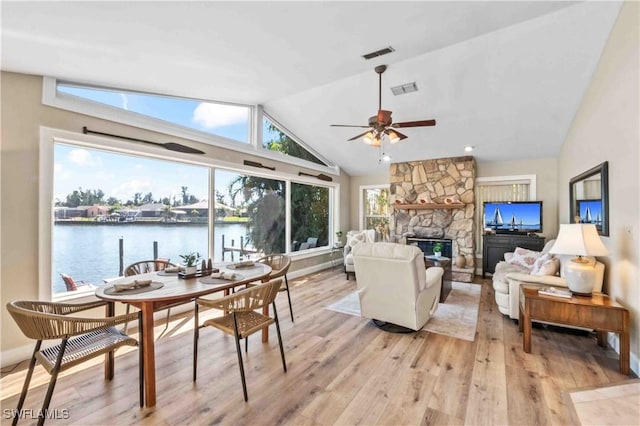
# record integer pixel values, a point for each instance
(90, 252)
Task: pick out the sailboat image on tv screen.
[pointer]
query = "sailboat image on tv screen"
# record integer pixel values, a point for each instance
(496, 220)
(587, 216)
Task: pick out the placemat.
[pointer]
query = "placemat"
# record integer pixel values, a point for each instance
(218, 281)
(233, 266)
(111, 291)
(166, 274)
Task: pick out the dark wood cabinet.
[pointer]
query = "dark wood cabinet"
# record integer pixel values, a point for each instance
(494, 246)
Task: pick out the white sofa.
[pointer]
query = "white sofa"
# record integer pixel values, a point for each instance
(353, 238)
(508, 278)
(394, 286)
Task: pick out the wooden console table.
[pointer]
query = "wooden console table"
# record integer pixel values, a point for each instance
(598, 312)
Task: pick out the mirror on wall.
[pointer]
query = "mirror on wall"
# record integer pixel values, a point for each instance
(589, 198)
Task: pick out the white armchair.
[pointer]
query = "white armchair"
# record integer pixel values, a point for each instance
(394, 286)
(353, 238)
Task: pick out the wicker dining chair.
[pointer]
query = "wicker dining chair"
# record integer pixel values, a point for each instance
(74, 285)
(83, 338)
(279, 264)
(143, 267)
(240, 319)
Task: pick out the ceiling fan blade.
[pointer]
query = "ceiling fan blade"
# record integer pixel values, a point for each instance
(349, 125)
(420, 123)
(359, 136)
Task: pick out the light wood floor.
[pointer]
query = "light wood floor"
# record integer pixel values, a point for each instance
(341, 370)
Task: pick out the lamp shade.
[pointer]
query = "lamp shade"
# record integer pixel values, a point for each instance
(579, 239)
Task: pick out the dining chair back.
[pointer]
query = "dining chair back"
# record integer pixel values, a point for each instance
(240, 319)
(279, 264)
(144, 267)
(82, 338)
(73, 285)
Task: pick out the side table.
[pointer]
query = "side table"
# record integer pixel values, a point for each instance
(598, 312)
(336, 248)
(444, 263)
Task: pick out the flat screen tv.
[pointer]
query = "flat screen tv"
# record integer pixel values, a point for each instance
(518, 217)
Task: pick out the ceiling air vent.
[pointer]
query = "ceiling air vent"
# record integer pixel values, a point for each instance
(379, 53)
(404, 88)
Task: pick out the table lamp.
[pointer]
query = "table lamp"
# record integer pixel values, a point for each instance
(581, 240)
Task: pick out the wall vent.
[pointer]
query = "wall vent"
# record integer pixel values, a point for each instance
(379, 53)
(404, 88)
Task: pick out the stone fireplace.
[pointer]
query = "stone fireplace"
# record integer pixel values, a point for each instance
(439, 199)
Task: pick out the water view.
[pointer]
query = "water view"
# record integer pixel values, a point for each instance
(90, 252)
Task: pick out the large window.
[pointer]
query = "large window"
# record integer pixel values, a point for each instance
(103, 199)
(259, 204)
(242, 128)
(276, 139)
(375, 210)
(228, 121)
(310, 214)
(154, 205)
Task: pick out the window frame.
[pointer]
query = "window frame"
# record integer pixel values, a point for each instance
(361, 202)
(50, 136)
(51, 97)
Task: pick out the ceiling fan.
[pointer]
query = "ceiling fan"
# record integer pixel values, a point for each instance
(382, 124)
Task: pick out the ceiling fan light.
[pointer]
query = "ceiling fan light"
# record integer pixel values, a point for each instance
(393, 136)
(386, 158)
(376, 142)
(369, 138)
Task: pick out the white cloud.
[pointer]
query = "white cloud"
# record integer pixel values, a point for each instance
(211, 116)
(82, 157)
(125, 101)
(126, 190)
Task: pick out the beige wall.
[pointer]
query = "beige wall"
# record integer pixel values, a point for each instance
(381, 178)
(22, 115)
(606, 128)
(545, 171)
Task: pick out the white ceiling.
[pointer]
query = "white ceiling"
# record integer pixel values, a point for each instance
(504, 77)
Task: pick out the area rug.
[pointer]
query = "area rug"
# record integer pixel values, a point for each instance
(457, 317)
(616, 404)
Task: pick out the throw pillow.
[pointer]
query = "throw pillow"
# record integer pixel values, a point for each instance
(525, 258)
(546, 264)
(357, 238)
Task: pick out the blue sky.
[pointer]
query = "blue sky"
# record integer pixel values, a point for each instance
(121, 176)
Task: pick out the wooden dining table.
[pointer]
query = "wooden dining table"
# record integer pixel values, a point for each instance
(166, 290)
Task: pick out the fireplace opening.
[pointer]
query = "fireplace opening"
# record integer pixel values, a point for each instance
(426, 245)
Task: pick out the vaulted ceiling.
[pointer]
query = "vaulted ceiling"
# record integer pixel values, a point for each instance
(504, 77)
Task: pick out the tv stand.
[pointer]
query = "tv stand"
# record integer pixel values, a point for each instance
(494, 246)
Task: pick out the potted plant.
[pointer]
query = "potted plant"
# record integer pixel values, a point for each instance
(190, 262)
(338, 242)
(437, 249)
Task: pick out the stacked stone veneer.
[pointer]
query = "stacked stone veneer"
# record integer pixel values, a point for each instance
(435, 180)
